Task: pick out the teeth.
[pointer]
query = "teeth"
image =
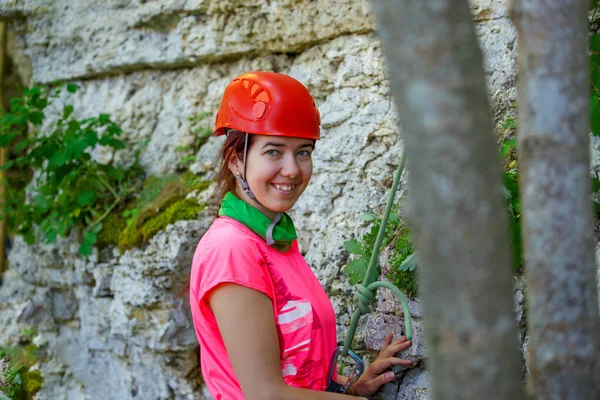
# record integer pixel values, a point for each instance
(285, 187)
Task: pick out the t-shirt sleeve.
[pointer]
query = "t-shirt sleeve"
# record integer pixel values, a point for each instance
(231, 260)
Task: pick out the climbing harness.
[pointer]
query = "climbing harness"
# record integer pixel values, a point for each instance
(366, 293)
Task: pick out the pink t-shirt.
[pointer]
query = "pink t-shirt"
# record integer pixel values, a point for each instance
(304, 317)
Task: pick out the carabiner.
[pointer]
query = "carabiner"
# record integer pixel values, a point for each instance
(333, 386)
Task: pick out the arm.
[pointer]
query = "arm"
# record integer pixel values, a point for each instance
(246, 322)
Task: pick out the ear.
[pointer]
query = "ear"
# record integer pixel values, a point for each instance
(234, 164)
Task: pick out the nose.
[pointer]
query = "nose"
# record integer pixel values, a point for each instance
(290, 167)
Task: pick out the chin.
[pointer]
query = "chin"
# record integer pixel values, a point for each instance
(280, 208)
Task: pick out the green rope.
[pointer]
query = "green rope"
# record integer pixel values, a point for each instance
(365, 291)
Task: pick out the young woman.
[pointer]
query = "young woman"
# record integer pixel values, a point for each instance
(265, 325)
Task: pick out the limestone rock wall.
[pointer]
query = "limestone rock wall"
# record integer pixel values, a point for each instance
(114, 326)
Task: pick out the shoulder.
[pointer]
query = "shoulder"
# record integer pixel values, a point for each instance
(227, 233)
(228, 240)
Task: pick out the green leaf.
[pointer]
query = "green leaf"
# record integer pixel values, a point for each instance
(515, 241)
(507, 146)
(595, 184)
(59, 158)
(595, 70)
(40, 103)
(409, 263)
(72, 88)
(86, 197)
(74, 125)
(116, 143)
(367, 217)
(28, 236)
(356, 271)
(96, 228)
(22, 145)
(114, 129)
(87, 245)
(353, 246)
(21, 120)
(188, 159)
(7, 165)
(67, 111)
(15, 102)
(28, 332)
(118, 174)
(595, 115)
(36, 117)
(74, 148)
(41, 202)
(6, 139)
(595, 43)
(91, 137)
(104, 119)
(393, 218)
(509, 123)
(50, 236)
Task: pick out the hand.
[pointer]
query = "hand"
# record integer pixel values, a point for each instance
(375, 376)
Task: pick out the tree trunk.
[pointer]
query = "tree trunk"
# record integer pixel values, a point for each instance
(556, 200)
(457, 207)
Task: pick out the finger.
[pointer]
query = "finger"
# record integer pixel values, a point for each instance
(400, 340)
(372, 385)
(381, 380)
(385, 363)
(387, 341)
(396, 348)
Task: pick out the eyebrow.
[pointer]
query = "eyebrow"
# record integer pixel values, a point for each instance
(273, 144)
(283, 145)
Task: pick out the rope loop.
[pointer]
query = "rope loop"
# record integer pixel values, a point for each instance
(363, 298)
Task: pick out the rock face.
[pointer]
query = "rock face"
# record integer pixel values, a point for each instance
(114, 326)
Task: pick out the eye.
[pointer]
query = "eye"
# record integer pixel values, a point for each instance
(272, 152)
(304, 153)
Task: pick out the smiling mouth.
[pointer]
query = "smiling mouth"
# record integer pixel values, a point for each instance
(285, 188)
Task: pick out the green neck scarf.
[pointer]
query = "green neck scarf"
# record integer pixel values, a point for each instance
(278, 233)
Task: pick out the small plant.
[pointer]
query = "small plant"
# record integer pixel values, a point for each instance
(594, 57)
(160, 202)
(511, 192)
(396, 240)
(17, 378)
(71, 190)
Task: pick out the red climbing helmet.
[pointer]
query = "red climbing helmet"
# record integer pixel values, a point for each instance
(268, 103)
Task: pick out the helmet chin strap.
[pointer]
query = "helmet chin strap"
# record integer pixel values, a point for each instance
(248, 191)
(242, 179)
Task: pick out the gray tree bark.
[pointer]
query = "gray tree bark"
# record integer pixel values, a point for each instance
(556, 201)
(457, 209)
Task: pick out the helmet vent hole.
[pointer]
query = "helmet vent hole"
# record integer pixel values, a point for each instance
(262, 96)
(259, 110)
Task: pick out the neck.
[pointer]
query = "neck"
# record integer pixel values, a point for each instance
(243, 196)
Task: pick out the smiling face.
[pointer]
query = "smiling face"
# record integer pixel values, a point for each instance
(278, 170)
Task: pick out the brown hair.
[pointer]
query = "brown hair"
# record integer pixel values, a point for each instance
(226, 182)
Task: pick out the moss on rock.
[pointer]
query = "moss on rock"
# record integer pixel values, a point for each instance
(32, 382)
(129, 238)
(112, 226)
(160, 203)
(180, 210)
